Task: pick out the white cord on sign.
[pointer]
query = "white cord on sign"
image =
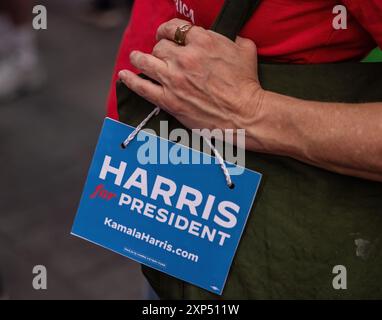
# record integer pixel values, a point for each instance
(155, 112)
(132, 135)
(221, 163)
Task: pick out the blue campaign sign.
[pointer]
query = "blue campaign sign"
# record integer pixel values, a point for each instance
(179, 219)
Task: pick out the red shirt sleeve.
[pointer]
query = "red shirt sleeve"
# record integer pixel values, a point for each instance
(369, 14)
(146, 17)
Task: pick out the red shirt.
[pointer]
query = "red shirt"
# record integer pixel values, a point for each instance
(290, 31)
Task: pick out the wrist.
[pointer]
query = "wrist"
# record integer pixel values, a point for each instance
(270, 128)
(253, 119)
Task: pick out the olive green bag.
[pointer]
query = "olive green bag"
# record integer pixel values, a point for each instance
(305, 220)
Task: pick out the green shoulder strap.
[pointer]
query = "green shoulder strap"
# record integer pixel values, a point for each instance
(233, 16)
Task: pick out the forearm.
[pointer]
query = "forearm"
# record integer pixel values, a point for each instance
(344, 138)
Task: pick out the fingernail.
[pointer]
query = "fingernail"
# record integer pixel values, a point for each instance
(122, 74)
(133, 54)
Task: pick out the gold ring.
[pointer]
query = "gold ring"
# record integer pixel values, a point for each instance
(181, 33)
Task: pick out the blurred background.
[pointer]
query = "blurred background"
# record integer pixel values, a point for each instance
(53, 90)
(49, 125)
